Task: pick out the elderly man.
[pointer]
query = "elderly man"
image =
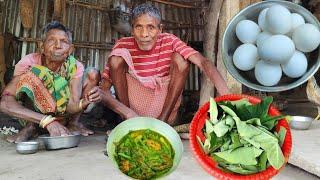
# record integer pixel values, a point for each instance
(50, 86)
(149, 70)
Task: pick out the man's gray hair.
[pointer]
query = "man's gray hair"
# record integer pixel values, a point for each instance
(145, 8)
(56, 25)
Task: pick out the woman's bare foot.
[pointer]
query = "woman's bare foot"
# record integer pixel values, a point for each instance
(28, 132)
(77, 126)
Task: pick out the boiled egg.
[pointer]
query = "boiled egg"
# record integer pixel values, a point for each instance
(267, 74)
(262, 19)
(306, 37)
(296, 20)
(245, 57)
(276, 49)
(278, 19)
(247, 31)
(296, 66)
(262, 37)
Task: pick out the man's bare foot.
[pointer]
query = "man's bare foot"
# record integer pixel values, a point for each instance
(28, 132)
(73, 126)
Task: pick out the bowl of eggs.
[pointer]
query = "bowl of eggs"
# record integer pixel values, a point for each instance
(272, 46)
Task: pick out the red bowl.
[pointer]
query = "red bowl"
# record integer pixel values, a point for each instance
(210, 165)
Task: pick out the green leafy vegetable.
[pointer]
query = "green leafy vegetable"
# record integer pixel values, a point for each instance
(241, 137)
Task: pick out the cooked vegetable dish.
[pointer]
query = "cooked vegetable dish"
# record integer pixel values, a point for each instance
(144, 154)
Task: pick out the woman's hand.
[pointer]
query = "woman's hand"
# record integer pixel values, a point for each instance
(57, 129)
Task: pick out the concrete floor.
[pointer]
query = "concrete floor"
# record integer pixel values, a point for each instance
(88, 162)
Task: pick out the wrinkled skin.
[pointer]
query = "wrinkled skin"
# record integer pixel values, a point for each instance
(56, 48)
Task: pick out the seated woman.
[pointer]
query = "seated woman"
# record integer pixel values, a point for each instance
(52, 82)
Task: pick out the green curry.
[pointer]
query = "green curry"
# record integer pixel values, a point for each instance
(144, 154)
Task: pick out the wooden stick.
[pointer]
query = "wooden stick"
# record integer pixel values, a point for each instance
(176, 4)
(107, 45)
(207, 89)
(88, 5)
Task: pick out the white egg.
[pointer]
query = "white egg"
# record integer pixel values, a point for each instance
(306, 37)
(276, 49)
(278, 19)
(262, 37)
(245, 57)
(296, 20)
(267, 74)
(247, 31)
(262, 19)
(296, 66)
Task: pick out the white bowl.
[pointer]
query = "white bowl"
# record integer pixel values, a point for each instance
(153, 124)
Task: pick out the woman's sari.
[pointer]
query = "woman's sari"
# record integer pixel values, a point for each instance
(48, 91)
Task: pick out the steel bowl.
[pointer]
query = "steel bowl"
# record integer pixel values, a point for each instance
(301, 122)
(61, 142)
(230, 43)
(29, 147)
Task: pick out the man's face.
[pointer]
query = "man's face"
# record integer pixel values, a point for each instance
(145, 31)
(57, 46)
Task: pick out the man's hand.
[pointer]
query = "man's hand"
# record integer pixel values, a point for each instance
(57, 129)
(94, 95)
(131, 114)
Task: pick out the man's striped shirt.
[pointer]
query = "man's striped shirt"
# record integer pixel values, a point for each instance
(155, 62)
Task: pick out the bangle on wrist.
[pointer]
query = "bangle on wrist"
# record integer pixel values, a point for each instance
(46, 120)
(81, 104)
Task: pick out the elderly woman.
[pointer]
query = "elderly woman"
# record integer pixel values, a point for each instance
(51, 87)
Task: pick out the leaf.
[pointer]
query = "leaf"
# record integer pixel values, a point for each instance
(270, 121)
(228, 110)
(209, 127)
(200, 143)
(225, 146)
(207, 145)
(241, 102)
(213, 110)
(239, 169)
(235, 140)
(259, 110)
(215, 142)
(254, 121)
(220, 129)
(242, 155)
(282, 135)
(263, 159)
(261, 137)
(274, 154)
(230, 122)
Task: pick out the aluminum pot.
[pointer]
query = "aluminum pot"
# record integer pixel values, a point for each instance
(28, 147)
(61, 142)
(230, 43)
(301, 122)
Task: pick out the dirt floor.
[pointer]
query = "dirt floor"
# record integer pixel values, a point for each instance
(88, 162)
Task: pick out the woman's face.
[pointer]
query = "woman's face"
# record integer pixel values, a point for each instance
(57, 46)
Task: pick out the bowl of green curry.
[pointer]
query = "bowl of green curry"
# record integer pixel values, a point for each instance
(144, 148)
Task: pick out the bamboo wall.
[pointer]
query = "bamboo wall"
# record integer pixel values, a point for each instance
(91, 25)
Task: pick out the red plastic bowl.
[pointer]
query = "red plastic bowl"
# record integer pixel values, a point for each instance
(210, 165)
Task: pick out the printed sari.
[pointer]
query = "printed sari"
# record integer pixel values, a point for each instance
(48, 91)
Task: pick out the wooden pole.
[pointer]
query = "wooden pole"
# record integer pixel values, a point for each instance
(207, 89)
(229, 9)
(2, 63)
